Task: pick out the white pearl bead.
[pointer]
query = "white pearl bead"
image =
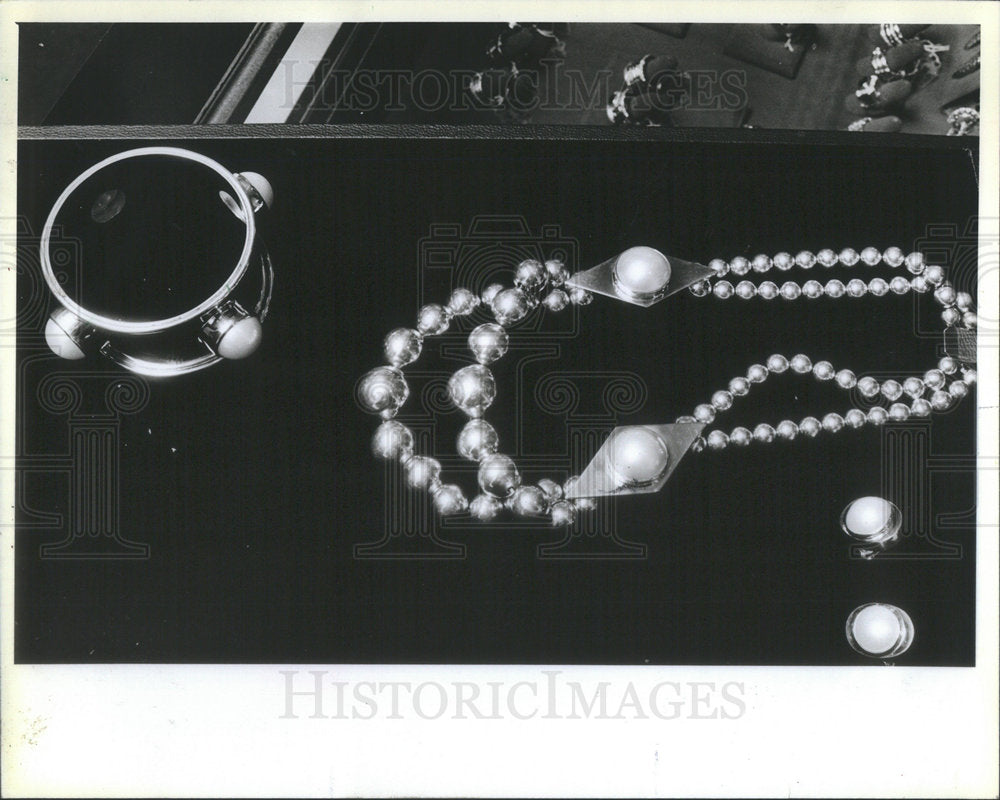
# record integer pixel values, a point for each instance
(899, 412)
(891, 390)
(511, 306)
(761, 263)
(422, 472)
(462, 302)
(556, 300)
(826, 257)
(723, 290)
(970, 375)
(914, 387)
(485, 507)
(449, 500)
(477, 439)
(638, 455)
(833, 423)
(700, 289)
(800, 364)
(810, 426)
(777, 363)
(849, 256)
(472, 389)
(805, 259)
(530, 276)
(958, 389)
(746, 290)
(941, 401)
(857, 287)
(855, 418)
(585, 504)
(563, 513)
(498, 475)
(557, 272)
(704, 413)
(871, 519)
(893, 256)
(763, 433)
(915, 263)
(757, 373)
(722, 400)
(580, 297)
(552, 490)
(402, 346)
(919, 284)
(970, 320)
(488, 342)
(812, 289)
(879, 630)
(718, 266)
(433, 319)
(878, 287)
(951, 316)
(528, 501)
(241, 339)
(787, 429)
(920, 408)
(934, 378)
(846, 379)
(739, 386)
(823, 370)
(768, 290)
(871, 256)
(934, 274)
(641, 273)
(783, 261)
(717, 440)
(490, 293)
(740, 436)
(383, 390)
(945, 294)
(790, 290)
(948, 365)
(868, 387)
(964, 301)
(899, 285)
(834, 288)
(877, 415)
(739, 266)
(392, 439)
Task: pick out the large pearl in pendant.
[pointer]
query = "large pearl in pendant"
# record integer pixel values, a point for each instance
(637, 456)
(488, 342)
(498, 475)
(472, 389)
(641, 273)
(872, 520)
(383, 391)
(879, 630)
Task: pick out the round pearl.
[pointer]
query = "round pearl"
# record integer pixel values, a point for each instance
(846, 379)
(530, 276)
(704, 413)
(899, 412)
(871, 256)
(449, 500)
(638, 455)
(488, 342)
(761, 263)
(790, 290)
(868, 387)
(240, 341)
(855, 418)
(958, 389)
(934, 379)
(833, 423)
(893, 256)
(563, 513)
(722, 400)
(498, 475)
(810, 426)
(422, 472)
(783, 261)
(392, 439)
(485, 507)
(920, 284)
(472, 389)
(739, 266)
(801, 364)
(700, 289)
(739, 386)
(717, 440)
(383, 391)
(580, 297)
(878, 287)
(951, 316)
(934, 274)
(768, 290)
(552, 490)
(556, 300)
(763, 433)
(964, 301)
(777, 363)
(557, 272)
(970, 375)
(899, 285)
(433, 319)
(585, 504)
(879, 630)
(812, 289)
(834, 288)
(920, 408)
(787, 429)
(745, 290)
(757, 373)
(641, 273)
(891, 390)
(970, 320)
(877, 415)
(511, 306)
(805, 259)
(849, 256)
(477, 440)
(490, 293)
(823, 370)
(857, 287)
(948, 365)
(941, 400)
(462, 302)
(528, 501)
(915, 263)
(945, 294)
(740, 437)
(718, 266)
(723, 290)
(402, 346)
(826, 257)
(914, 387)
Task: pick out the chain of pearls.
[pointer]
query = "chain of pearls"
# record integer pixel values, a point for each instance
(937, 391)
(472, 389)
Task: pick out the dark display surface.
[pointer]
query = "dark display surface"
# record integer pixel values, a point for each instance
(253, 484)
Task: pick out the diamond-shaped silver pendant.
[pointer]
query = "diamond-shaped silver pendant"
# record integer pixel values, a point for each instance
(641, 276)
